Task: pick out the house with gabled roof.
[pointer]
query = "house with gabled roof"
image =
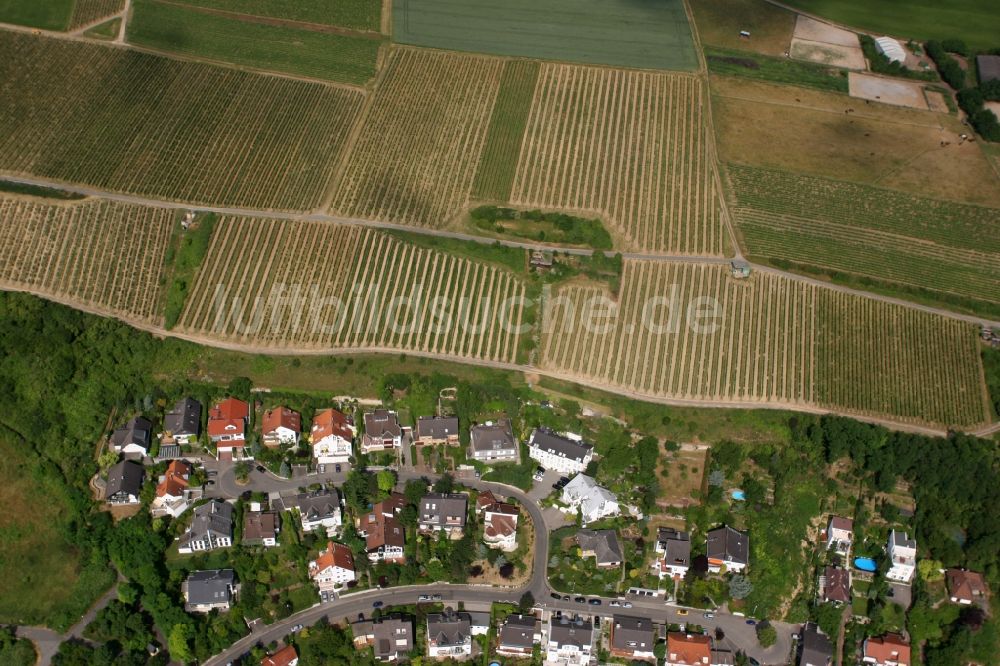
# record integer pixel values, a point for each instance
(559, 453)
(965, 587)
(260, 528)
(685, 649)
(449, 634)
(124, 483)
(205, 591)
(334, 567)
(382, 431)
(182, 424)
(632, 638)
(493, 442)
(384, 534)
(318, 510)
(570, 640)
(889, 650)
(835, 585)
(280, 426)
(173, 493)
(332, 437)
(673, 553)
(437, 430)
(816, 647)
(132, 438)
(592, 500)
(443, 511)
(500, 526)
(728, 548)
(211, 528)
(391, 638)
(518, 635)
(227, 424)
(602, 545)
(286, 656)
(840, 535)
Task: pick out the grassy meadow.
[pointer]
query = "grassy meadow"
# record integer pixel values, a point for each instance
(355, 14)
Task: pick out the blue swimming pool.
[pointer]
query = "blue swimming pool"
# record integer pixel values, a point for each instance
(865, 564)
(738, 495)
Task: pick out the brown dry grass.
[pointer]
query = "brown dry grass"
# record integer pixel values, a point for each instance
(685, 470)
(809, 131)
(719, 23)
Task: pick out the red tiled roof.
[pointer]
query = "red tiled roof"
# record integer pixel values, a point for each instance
(838, 584)
(688, 649)
(965, 585)
(336, 554)
(281, 417)
(230, 408)
(331, 422)
(391, 505)
(174, 482)
(383, 531)
(846, 524)
(485, 499)
(220, 427)
(888, 647)
(500, 525)
(282, 657)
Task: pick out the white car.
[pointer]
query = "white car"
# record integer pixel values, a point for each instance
(424, 597)
(626, 604)
(615, 603)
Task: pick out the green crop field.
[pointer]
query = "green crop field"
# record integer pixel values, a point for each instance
(86, 12)
(45, 14)
(892, 236)
(133, 122)
(624, 33)
(975, 21)
(498, 164)
(169, 27)
(356, 14)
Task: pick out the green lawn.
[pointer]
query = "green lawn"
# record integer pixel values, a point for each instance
(775, 70)
(106, 30)
(626, 33)
(356, 14)
(346, 58)
(45, 14)
(975, 21)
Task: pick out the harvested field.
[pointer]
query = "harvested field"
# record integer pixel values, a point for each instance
(133, 122)
(719, 24)
(620, 33)
(920, 242)
(887, 91)
(86, 12)
(313, 285)
(422, 139)
(630, 147)
(104, 254)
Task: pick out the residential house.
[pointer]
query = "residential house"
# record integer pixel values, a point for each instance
(205, 591)
(965, 587)
(182, 424)
(334, 567)
(485, 499)
(227, 424)
(286, 656)
(441, 511)
(124, 483)
(602, 545)
(500, 526)
(728, 548)
(319, 509)
(211, 528)
(673, 553)
(363, 631)
(518, 635)
(840, 535)
(888, 650)
(632, 637)
(902, 557)
(816, 647)
(570, 641)
(561, 454)
(493, 442)
(382, 431)
(449, 634)
(173, 494)
(391, 637)
(835, 585)
(593, 501)
(332, 437)
(688, 649)
(384, 534)
(280, 425)
(437, 430)
(132, 438)
(260, 528)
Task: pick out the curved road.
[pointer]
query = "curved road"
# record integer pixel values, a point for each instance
(348, 607)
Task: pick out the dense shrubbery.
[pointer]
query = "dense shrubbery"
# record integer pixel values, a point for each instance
(881, 64)
(982, 119)
(561, 228)
(950, 70)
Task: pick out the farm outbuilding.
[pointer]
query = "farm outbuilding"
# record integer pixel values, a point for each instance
(891, 49)
(739, 268)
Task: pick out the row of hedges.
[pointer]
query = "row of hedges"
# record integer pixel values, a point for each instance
(950, 70)
(972, 99)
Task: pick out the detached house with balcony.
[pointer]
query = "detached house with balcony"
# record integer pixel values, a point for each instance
(333, 569)
(260, 528)
(835, 585)
(728, 548)
(632, 638)
(124, 483)
(565, 455)
(384, 534)
(518, 636)
(382, 432)
(391, 638)
(286, 656)
(840, 535)
(205, 591)
(593, 501)
(688, 649)
(500, 526)
(965, 587)
(211, 528)
(173, 494)
(182, 424)
(280, 426)
(227, 424)
(318, 510)
(445, 512)
(437, 430)
(449, 634)
(332, 437)
(493, 442)
(133, 438)
(888, 650)
(602, 545)
(902, 552)
(569, 641)
(673, 553)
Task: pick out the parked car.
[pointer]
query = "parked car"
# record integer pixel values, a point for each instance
(555, 596)
(437, 597)
(580, 600)
(321, 469)
(377, 604)
(424, 597)
(626, 604)
(337, 468)
(260, 468)
(565, 597)
(682, 611)
(615, 603)
(594, 602)
(478, 474)
(539, 473)
(751, 622)
(708, 616)
(297, 627)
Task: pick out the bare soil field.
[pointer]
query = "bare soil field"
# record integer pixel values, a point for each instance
(887, 91)
(826, 44)
(840, 137)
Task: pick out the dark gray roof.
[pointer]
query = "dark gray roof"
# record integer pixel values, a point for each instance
(677, 545)
(729, 545)
(571, 631)
(136, 431)
(125, 476)
(493, 437)
(989, 67)
(390, 630)
(317, 505)
(209, 587)
(604, 543)
(632, 633)
(902, 540)
(518, 631)
(437, 427)
(184, 418)
(816, 648)
(436, 507)
(449, 629)
(546, 440)
(214, 517)
(382, 423)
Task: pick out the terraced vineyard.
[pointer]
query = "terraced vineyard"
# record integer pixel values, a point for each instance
(926, 243)
(778, 340)
(416, 157)
(89, 11)
(878, 358)
(103, 254)
(630, 146)
(351, 283)
(132, 122)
